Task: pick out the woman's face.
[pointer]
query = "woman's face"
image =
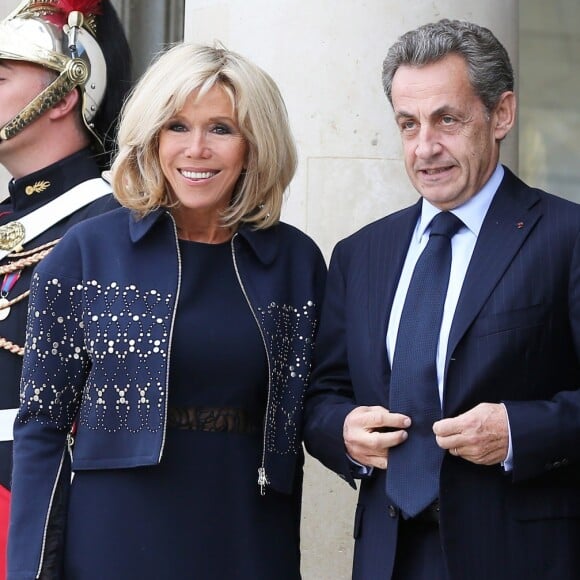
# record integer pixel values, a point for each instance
(202, 154)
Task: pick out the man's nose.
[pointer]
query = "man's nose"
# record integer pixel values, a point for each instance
(428, 143)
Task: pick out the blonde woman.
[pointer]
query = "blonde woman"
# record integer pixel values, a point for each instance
(171, 340)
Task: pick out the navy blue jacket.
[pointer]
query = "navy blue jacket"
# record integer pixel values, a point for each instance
(98, 352)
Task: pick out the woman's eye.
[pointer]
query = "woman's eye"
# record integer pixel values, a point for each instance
(221, 130)
(176, 127)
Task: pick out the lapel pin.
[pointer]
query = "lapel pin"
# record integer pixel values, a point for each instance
(519, 225)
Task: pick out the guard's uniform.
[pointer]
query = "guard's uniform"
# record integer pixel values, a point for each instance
(67, 40)
(27, 195)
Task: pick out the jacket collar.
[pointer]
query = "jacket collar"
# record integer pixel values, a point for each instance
(263, 243)
(139, 227)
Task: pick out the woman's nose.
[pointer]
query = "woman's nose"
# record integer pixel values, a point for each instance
(198, 146)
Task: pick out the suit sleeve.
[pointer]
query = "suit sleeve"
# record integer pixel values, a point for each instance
(545, 433)
(330, 397)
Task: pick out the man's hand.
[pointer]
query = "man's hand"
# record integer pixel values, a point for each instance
(479, 435)
(369, 432)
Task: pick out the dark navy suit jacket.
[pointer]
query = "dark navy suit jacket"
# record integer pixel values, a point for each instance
(515, 338)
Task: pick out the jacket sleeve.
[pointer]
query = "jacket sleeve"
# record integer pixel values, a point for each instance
(330, 396)
(55, 367)
(545, 433)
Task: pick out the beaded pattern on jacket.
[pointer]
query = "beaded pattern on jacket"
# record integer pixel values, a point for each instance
(290, 342)
(101, 335)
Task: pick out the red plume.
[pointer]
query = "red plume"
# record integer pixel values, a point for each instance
(64, 7)
(85, 6)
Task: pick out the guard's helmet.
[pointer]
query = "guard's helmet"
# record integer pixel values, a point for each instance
(58, 35)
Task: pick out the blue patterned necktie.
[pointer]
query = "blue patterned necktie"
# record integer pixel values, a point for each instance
(413, 467)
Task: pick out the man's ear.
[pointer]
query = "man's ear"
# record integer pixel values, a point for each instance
(504, 114)
(65, 105)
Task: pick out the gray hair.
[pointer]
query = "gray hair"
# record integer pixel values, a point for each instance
(488, 65)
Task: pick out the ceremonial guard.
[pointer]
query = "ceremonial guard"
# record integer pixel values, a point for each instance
(64, 71)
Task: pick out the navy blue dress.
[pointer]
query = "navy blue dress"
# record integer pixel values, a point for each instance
(199, 513)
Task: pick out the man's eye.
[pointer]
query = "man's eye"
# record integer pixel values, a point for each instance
(447, 119)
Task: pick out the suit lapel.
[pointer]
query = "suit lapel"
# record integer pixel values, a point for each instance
(386, 257)
(511, 217)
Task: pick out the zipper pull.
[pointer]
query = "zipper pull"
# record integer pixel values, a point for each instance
(70, 442)
(70, 439)
(262, 480)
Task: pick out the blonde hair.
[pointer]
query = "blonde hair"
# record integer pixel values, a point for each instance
(137, 177)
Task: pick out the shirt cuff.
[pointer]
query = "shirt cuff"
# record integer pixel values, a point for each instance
(358, 469)
(508, 462)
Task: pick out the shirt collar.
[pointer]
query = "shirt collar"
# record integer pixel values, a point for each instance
(472, 212)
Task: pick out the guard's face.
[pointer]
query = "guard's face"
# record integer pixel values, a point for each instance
(20, 83)
(450, 141)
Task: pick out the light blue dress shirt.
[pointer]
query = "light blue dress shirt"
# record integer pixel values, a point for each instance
(471, 213)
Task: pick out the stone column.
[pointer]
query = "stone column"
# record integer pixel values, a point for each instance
(150, 25)
(326, 56)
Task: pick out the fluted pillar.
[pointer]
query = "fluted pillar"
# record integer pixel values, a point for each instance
(326, 56)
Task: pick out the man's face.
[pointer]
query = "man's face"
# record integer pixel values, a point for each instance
(20, 83)
(450, 141)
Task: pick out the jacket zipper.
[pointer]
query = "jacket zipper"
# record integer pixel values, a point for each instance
(45, 531)
(262, 476)
(178, 291)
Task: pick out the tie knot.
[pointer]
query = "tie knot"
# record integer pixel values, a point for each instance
(445, 224)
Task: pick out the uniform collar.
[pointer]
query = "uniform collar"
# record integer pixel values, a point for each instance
(35, 190)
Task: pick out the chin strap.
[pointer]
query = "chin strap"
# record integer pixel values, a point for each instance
(75, 74)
